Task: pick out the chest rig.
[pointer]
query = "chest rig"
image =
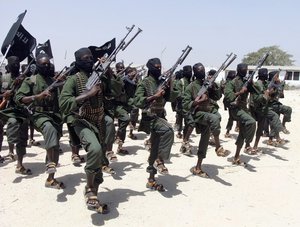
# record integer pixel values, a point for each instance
(92, 109)
(157, 106)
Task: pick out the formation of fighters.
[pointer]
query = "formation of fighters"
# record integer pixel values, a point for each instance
(90, 95)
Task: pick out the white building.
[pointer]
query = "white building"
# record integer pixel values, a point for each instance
(292, 76)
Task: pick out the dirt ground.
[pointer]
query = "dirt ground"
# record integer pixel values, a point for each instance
(266, 193)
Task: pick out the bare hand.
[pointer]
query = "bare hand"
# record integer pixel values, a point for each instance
(94, 90)
(102, 59)
(266, 94)
(242, 91)
(160, 93)
(200, 99)
(7, 94)
(43, 95)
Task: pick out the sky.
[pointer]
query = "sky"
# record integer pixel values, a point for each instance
(212, 28)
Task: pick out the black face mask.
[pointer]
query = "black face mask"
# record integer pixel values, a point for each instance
(188, 74)
(85, 65)
(154, 67)
(263, 77)
(242, 70)
(155, 72)
(14, 68)
(44, 70)
(200, 75)
(242, 73)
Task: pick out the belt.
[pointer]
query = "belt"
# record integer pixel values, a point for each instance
(43, 108)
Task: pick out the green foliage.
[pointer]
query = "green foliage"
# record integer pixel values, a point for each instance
(276, 57)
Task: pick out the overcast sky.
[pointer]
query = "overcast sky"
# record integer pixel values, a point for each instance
(213, 28)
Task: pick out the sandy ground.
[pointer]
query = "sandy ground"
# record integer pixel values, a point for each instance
(266, 193)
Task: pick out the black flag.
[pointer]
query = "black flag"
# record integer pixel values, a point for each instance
(44, 48)
(21, 41)
(106, 48)
(12, 32)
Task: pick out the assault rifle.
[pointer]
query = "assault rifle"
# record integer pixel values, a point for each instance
(60, 78)
(102, 65)
(15, 85)
(259, 65)
(208, 83)
(121, 73)
(273, 83)
(166, 77)
(139, 74)
(249, 79)
(279, 86)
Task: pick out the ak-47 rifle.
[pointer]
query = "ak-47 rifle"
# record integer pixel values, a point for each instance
(121, 73)
(208, 83)
(15, 85)
(139, 73)
(275, 83)
(166, 77)
(259, 65)
(275, 78)
(60, 78)
(249, 80)
(101, 66)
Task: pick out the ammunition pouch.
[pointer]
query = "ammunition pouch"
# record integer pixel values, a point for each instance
(204, 108)
(43, 109)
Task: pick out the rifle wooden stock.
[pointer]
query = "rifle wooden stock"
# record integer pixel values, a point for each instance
(15, 86)
(3, 103)
(273, 83)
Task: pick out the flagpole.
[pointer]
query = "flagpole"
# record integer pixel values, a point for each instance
(4, 56)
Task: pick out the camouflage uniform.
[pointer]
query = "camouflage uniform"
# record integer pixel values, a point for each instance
(206, 116)
(46, 116)
(240, 111)
(261, 110)
(88, 120)
(153, 118)
(115, 103)
(16, 119)
(278, 107)
(181, 86)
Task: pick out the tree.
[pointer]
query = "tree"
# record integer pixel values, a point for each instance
(276, 57)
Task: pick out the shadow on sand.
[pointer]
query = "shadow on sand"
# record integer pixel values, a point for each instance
(117, 196)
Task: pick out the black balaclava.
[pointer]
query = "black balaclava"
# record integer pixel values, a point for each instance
(43, 64)
(13, 65)
(271, 75)
(199, 71)
(231, 75)
(242, 70)
(154, 67)
(178, 74)
(263, 74)
(212, 72)
(187, 72)
(85, 64)
(52, 70)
